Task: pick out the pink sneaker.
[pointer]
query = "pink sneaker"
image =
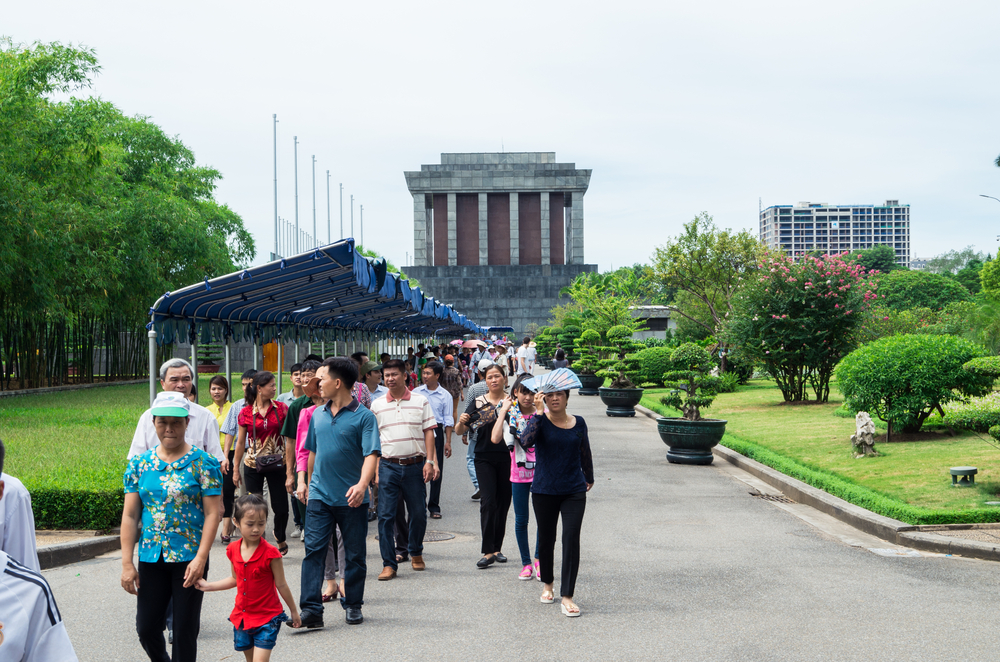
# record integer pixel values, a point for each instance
(526, 573)
(538, 571)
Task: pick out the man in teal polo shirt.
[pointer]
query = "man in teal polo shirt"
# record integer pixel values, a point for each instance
(343, 445)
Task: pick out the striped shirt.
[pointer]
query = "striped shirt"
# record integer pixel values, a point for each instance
(401, 424)
(33, 630)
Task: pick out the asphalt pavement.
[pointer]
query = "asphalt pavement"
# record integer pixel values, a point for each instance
(678, 562)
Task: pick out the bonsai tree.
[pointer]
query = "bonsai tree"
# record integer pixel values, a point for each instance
(545, 343)
(590, 358)
(620, 367)
(570, 332)
(693, 386)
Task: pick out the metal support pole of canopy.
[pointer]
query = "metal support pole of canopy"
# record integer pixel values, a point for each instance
(255, 353)
(152, 366)
(194, 363)
(281, 363)
(229, 372)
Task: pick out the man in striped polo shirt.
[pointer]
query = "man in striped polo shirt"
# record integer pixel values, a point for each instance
(406, 427)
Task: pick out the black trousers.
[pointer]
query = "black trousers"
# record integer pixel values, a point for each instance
(158, 583)
(228, 489)
(493, 473)
(548, 508)
(434, 499)
(279, 497)
(402, 527)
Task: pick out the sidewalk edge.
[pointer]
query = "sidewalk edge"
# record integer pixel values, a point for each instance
(889, 529)
(53, 556)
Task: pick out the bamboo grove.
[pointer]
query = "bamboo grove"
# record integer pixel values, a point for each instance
(100, 214)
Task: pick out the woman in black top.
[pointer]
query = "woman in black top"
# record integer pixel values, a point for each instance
(564, 473)
(559, 361)
(492, 467)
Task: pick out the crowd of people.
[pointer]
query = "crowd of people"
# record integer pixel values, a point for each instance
(354, 441)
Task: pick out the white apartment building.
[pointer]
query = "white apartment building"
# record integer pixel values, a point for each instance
(809, 226)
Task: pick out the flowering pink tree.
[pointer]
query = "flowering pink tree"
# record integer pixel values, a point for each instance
(800, 318)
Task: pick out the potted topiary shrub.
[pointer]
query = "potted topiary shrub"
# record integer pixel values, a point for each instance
(622, 368)
(690, 439)
(210, 356)
(587, 365)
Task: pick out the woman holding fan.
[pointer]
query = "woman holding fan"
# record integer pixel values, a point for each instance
(564, 473)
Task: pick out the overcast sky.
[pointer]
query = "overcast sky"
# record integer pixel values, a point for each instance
(677, 107)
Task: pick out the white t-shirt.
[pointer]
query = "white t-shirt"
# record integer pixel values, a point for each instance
(202, 432)
(17, 524)
(33, 630)
(528, 355)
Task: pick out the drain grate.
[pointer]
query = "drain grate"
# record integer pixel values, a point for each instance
(777, 498)
(437, 536)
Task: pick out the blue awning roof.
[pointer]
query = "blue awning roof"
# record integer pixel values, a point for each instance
(318, 295)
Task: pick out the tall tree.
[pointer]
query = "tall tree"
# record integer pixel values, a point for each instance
(708, 264)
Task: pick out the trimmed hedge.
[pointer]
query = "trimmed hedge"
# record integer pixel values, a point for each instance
(653, 363)
(77, 509)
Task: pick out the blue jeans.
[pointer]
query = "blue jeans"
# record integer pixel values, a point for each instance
(263, 636)
(320, 522)
(521, 492)
(393, 480)
(470, 460)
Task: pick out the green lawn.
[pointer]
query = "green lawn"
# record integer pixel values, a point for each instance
(814, 438)
(76, 440)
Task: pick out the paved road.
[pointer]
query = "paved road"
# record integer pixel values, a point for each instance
(678, 563)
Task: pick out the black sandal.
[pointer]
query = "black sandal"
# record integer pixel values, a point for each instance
(283, 548)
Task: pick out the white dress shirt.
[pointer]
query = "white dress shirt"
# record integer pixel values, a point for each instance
(441, 404)
(202, 432)
(33, 630)
(17, 524)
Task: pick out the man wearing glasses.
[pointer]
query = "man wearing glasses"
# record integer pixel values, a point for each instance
(202, 431)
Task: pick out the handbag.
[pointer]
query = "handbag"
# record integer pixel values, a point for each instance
(266, 463)
(486, 414)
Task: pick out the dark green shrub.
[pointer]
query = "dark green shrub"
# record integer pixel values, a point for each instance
(904, 379)
(995, 432)
(77, 509)
(654, 362)
(919, 289)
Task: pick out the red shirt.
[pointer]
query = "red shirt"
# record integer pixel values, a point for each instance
(256, 596)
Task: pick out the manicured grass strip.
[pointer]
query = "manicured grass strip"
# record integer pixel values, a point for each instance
(842, 487)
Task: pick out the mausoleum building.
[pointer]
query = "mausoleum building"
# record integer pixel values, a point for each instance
(499, 233)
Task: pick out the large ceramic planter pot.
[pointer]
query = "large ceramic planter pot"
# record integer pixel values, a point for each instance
(208, 368)
(690, 442)
(590, 384)
(621, 401)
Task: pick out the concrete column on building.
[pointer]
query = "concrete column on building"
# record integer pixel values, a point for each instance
(545, 227)
(452, 231)
(515, 246)
(484, 235)
(421, 237)
(429, 225)
(575, 239)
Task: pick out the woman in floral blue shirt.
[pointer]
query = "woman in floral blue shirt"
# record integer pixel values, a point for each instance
(176, 490)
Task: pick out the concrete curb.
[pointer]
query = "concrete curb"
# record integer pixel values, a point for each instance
(65, 553)
(894, 531)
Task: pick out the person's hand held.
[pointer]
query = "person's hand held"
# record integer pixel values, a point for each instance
(296, 620)
(201, 584)
(224, 465)
(355, 495)
(195, 571)
(539, 401)
(464, 418)
(130, 579)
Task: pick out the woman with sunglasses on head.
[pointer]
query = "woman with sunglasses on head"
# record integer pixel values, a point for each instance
(519, 408)
(261, 448)
(492, 462)
(564, 473)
